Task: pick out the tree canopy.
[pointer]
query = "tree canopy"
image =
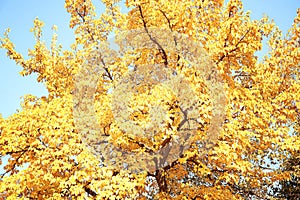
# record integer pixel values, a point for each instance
(54, 151)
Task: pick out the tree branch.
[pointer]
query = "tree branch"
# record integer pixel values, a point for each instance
(164, 54)
(236, 47)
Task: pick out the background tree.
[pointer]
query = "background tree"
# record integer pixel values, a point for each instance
(47, 158)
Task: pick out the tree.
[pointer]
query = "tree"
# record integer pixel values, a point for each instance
(47, 152)
(290, 188)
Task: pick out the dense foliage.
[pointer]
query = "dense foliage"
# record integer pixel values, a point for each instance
(48, 160)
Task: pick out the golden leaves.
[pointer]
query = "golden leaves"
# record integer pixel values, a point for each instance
(46, 157)
(37, 29)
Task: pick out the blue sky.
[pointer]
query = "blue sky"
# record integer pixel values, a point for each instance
(18, 15)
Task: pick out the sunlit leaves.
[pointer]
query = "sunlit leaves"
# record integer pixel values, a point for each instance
(44, 151)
